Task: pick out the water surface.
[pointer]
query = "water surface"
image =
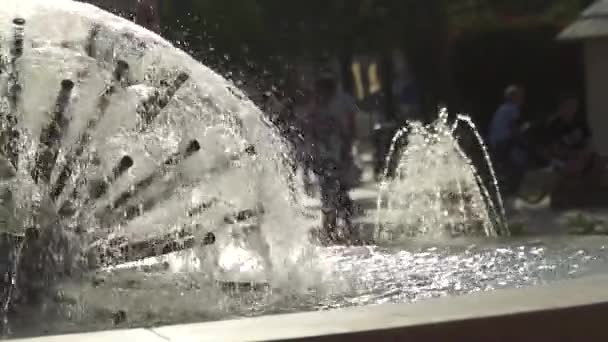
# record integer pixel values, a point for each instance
(350, 276)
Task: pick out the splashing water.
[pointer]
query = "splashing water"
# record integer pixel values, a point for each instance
(436, 190)
(115, 142)
(118, 146)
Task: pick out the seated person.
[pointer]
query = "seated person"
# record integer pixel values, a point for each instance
(566, 141)
(566, 138)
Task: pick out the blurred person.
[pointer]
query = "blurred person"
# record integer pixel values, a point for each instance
(344, 107)
(303, 107)
(566, 136)
(506, 138)
(332, 132)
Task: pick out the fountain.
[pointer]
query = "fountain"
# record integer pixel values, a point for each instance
(118, 146)
(139, 189)
(437, 190)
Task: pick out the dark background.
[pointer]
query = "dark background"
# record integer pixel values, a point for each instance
(462, 52)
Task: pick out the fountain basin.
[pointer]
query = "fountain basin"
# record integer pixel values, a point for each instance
(174, 290)
(562, 311)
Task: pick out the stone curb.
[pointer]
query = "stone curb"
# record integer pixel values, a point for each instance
(565, 311)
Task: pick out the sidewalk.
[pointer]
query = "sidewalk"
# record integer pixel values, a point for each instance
(542, 220)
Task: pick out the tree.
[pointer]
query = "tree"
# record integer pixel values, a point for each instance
(254, 36)
(490, 14)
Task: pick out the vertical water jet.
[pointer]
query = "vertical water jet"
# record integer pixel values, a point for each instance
(10, 135)
(19, 30)
(436, 189)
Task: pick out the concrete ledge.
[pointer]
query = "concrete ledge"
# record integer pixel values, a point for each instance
(133, 335)
(567, 311)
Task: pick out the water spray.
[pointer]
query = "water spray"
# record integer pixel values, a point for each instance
(97, 188)
(172, 161)
(153, 105)
(89, 47)
(120, 73)
(52, 135)
(10, 135)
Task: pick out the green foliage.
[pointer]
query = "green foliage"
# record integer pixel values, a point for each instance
(491, 14)
(289, 27)
(263, 28)
(251, 36)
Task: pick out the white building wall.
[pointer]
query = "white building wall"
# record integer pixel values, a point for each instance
(596, 62)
